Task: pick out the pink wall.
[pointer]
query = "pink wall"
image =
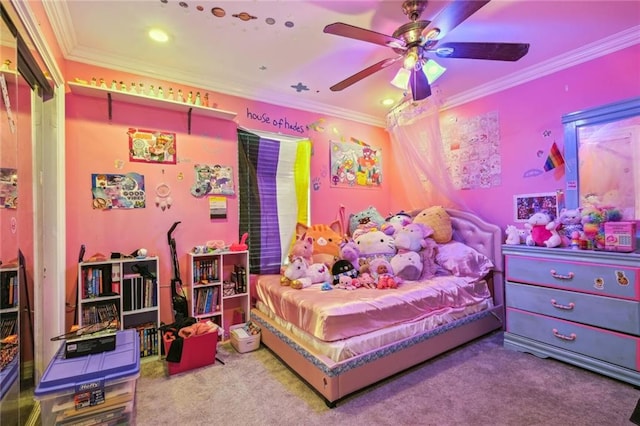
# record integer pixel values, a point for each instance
(96, 145)
(525, 112)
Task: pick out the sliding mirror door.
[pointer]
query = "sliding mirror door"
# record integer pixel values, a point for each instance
(9, 268)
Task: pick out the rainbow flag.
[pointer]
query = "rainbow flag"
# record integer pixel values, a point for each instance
(554, 159)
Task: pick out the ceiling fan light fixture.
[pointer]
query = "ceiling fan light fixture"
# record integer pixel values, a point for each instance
(433, 70)
(410, 59)
(401, 79)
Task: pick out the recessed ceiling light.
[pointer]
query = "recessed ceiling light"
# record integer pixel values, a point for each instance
(158, 35)
(387, 102)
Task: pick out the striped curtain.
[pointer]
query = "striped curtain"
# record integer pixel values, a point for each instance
(273, 193)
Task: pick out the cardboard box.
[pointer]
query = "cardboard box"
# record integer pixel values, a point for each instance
(197, 351)
(620, 236)
(242, 341)
(92, 389)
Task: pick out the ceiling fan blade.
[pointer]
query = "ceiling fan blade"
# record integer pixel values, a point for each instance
(490, 51)
(456, 13)
(350, 31)
(364, 73)
(419, 83)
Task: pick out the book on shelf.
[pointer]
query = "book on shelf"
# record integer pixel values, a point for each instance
(9, 290)
(7, 327)
(148, 335)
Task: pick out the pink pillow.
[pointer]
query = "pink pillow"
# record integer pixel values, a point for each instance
(462, 260)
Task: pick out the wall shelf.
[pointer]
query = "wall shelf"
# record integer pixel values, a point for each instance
(134, 98)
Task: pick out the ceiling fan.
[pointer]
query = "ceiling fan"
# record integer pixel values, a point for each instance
(415, 41)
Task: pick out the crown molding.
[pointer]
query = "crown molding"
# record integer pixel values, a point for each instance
(578, 56)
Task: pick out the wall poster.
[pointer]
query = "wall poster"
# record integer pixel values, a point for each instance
(472, 151)
(114, 191)
(8, 188)
(355, 165)
(215, 179)
(152, 146)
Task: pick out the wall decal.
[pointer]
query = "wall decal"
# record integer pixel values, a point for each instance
(531, 173)
(118, 191)
(278, 123)
(152, 146)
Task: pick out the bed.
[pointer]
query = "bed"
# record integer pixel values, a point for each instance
(406, 326)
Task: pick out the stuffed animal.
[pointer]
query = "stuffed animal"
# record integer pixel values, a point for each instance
(326, 241)
(303, 247)
(299, 274)
(407, 265)
(570, 222)
(439, 220)
(375, 244)
(412, 237)
(543, 231)
(367, 219)
(513, 235)
(349, 251)
(396, 221)
(343, 268)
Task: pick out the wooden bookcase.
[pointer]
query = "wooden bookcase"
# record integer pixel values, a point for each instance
(218, 287)
(125, 290)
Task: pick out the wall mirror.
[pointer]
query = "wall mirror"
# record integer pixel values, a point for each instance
(602, 157)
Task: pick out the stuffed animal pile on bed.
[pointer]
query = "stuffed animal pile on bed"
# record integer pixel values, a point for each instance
(379, 252)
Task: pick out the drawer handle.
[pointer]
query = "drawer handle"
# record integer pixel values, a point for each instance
(569, 276)
(568, 307)
(570, 338)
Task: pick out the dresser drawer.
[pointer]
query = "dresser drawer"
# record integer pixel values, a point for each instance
(608, 346)
(590, 277)
(600, 311)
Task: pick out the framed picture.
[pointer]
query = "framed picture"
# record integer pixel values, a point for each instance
(524, 205)
(152, 146)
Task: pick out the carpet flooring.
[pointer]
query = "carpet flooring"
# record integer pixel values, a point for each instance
(480, 383)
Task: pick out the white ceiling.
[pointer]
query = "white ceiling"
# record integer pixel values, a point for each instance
(262, 61)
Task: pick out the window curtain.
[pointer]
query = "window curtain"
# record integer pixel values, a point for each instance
(416, 143)
(273, 191)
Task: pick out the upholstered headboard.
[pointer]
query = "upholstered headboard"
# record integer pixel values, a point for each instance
(484, 237)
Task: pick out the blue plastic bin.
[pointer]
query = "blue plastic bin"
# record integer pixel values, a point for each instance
(98, 387)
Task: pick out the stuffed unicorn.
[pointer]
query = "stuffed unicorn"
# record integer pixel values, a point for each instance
(299, 274)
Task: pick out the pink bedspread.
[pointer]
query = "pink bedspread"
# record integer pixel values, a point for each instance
(338, 314)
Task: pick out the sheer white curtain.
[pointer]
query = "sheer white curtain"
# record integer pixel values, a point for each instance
(418, 152)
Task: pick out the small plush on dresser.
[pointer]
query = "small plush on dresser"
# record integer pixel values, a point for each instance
(543, 231)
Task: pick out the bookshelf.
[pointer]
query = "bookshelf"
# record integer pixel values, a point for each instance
(9, 335)
(125, 290)
(219, 287)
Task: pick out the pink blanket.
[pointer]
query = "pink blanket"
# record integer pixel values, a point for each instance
(338, 314)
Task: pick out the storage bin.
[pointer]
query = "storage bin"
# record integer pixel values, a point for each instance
(197, 351)
(241, 340)
(92, 389)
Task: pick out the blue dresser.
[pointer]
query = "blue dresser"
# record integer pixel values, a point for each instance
(577, 306)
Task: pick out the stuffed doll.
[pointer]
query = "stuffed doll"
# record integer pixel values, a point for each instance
(382, 273)
(543, 231)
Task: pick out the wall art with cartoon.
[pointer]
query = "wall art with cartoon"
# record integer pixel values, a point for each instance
(355, 165)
